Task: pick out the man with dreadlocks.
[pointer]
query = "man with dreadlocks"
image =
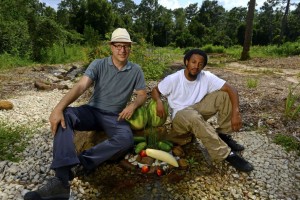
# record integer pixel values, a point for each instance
(195, 95)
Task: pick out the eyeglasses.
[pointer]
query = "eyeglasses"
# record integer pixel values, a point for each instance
(119, 47)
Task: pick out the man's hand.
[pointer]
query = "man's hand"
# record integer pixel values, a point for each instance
(55, 118)
(236, 122)
(160, 110)
(127, 112)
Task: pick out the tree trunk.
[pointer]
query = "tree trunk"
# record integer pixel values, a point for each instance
(248, 33)
(284, 22)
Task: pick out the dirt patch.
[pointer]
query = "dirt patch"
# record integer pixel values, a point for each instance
(263, 106)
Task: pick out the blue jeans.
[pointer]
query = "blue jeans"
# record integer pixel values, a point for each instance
(88, 118)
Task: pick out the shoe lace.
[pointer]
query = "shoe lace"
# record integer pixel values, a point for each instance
(50, 184)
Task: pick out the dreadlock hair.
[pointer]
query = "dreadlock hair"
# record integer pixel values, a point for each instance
(195, 51)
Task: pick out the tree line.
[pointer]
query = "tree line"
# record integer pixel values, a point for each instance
(29, 27)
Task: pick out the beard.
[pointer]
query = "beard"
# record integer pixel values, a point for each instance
(193, 76)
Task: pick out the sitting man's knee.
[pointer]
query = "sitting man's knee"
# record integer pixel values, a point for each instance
(125, 140)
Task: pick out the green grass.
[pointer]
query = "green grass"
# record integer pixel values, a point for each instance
(252, 83)
(286, 49)
(66, 54)
(213, 49)
(234, 51)
(8, 61)
(255, 51)
(13, 140)
(288, 142)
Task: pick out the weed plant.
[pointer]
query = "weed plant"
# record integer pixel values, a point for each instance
(12, 141)
(292, 109)
(252, 83)
(288, 142)
(192, 161)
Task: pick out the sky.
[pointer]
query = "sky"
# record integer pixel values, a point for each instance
(173, 4)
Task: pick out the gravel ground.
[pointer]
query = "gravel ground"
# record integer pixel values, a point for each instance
(276, 174)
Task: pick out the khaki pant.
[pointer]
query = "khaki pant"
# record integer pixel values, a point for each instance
(193, 119)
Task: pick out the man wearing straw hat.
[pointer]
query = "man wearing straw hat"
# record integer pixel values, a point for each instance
(114, 79)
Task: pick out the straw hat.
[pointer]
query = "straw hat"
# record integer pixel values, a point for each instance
(120, 35)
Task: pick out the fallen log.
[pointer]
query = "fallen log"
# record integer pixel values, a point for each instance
(43, 85)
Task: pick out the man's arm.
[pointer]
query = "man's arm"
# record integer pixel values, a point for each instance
(56, 115)
(129, 110)
(160, 111)
(236, 119)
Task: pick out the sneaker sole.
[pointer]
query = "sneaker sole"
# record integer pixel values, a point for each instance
(58, 197)
(37, 197)
(55, 198)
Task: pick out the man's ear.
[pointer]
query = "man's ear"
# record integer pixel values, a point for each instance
(186, 62)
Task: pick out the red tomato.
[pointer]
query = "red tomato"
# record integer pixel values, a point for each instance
(143, 153)
(159, 172)
(145, 169)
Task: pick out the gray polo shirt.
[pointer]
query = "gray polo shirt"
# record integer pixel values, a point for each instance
(113, 88)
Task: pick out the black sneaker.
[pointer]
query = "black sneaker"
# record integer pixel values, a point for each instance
(231, 143)
(238, 162)
(54, 189)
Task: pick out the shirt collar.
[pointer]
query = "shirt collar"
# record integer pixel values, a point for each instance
(128, 65)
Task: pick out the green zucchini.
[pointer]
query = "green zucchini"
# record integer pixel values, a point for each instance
(168, 142)
(140, 146)
(164, 146)
(139, 139)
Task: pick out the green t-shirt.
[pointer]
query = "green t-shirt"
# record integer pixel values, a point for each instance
(113, 88)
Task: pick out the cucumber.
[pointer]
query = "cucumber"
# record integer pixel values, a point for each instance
(139, 139)
(168, 142)
(140, 146)
(164, 146)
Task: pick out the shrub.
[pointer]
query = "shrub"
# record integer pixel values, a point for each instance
(154, 61)
(287, 49)
(213, 49)
(100, 51)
